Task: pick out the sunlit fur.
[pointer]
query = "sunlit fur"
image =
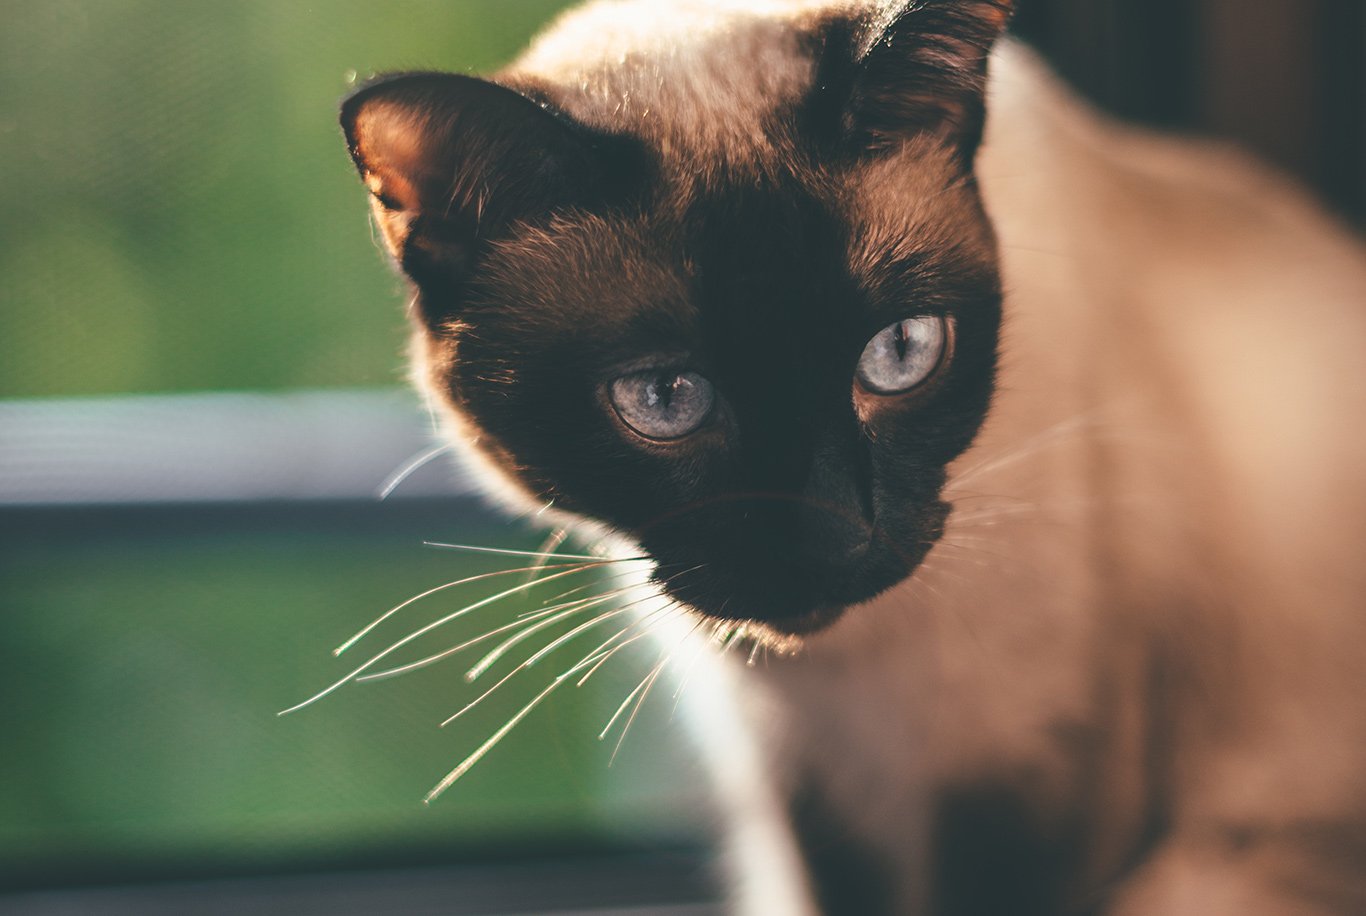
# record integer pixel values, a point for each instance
(1128, 677)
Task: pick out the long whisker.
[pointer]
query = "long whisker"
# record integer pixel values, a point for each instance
(465, 765)
(532, 553)
(548, 548)
(935, 567)
(627, 702)
(647, 684)
(507, 677)
(615, 612)
(670, 605)
(557, 599)
(977, 548)
(552, 612)
(570, 591)
(432, 591)
(423, 459)
(481, 698)
(677, 693)
(599, 658)
(993, 512)
(432, 626)
(688, 670)
(1030, 446)
(614, 594)
(594, 622)
(506, 645)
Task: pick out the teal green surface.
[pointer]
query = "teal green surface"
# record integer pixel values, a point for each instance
(142, 679)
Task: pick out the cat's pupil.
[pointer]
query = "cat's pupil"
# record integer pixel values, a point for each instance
(899, 335)
(661, 392)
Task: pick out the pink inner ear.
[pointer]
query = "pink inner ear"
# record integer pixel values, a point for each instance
(393, 145)
(998, 13)
(451, 161)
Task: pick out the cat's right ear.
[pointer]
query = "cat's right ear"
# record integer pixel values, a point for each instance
(452, 161)
(919, 67)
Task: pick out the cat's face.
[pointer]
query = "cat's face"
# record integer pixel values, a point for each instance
(757, 370)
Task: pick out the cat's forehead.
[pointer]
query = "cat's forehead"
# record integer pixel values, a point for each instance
(597, 270)
(704, 81)
(697, 261)
(713, 90)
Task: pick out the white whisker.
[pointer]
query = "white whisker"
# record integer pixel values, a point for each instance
(428, 628)
(498, 651)
(423, 458)
(432, 591)
(615, 612)
(649, 683)
(1058, 432)
(465, 765)
(992, 513)
(627, 702)
(688, 670)
(549, 546)
(586, 625)
(599, 660)
(508, 676)
(554, 613)
(570, 591)
(731, 638)
(503, 551)
(481, 698)
(977, 554)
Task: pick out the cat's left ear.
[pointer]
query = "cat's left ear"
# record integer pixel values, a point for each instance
(921, 67)
(452, 162)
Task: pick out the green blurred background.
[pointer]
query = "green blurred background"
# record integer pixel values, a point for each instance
(178, 212)
(178, 215)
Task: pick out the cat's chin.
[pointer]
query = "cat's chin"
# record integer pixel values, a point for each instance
(784, 637)
(785, 611)
(803, 625)
(748, 583)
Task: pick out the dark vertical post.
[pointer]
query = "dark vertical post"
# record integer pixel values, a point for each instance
(1283, 78)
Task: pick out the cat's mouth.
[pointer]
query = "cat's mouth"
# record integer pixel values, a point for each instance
(794, 595)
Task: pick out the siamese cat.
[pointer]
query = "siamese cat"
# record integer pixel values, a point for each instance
(1024, 451)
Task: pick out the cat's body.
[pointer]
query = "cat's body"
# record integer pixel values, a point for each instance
(1130, 676)
(1148, 648)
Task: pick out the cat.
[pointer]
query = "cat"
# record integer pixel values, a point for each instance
(1025, 448)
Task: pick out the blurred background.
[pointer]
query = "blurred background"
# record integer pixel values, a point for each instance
(201, 398)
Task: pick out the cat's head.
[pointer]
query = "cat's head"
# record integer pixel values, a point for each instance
(724, 285)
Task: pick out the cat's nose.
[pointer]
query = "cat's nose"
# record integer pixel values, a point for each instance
(831, 539)
(835, 525)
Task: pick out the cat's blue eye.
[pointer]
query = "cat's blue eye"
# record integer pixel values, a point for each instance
(904, 355)
(663, 404)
